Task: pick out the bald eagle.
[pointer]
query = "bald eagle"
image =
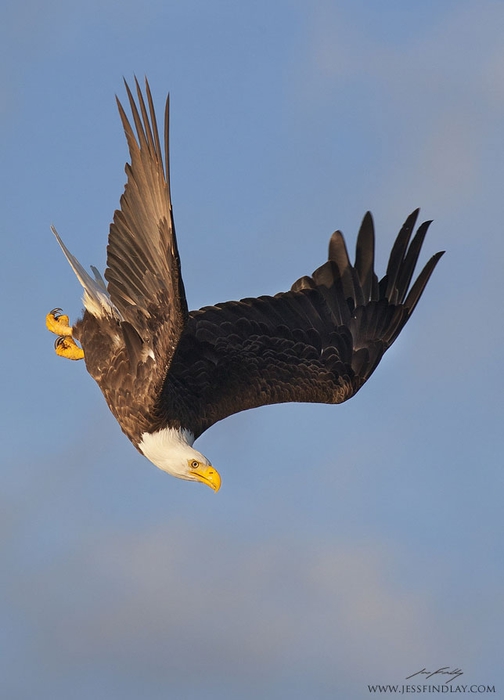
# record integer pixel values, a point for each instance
(168, 373)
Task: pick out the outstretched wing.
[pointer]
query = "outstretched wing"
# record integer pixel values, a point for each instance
(143, 266)
(319, 342)
(128, 353)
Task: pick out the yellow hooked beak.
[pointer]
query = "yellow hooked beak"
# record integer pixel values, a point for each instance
(208, 475)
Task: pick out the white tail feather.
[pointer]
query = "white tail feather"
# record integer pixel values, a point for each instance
(96, 298)
(99, 278)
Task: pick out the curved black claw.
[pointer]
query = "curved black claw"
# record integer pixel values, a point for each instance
(56, 312)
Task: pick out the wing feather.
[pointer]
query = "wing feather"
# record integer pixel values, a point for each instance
(397, 255)
(364, 258)
(143, 265)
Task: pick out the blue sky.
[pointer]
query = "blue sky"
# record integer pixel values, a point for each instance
(349, 545)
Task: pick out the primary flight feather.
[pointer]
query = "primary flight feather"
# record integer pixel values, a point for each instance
(168, 374)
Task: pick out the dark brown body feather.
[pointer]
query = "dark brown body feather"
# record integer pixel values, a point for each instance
(159, 366)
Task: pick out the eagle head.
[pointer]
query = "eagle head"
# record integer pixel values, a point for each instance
(170, 449)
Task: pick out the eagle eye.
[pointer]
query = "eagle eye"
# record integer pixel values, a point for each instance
(194, 464)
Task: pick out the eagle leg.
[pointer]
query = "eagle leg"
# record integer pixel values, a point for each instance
(64, 345)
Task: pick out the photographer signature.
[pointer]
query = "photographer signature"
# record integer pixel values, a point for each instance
(444, 670)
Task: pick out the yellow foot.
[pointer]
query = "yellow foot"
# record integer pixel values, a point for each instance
(66, 346)
(57, 323)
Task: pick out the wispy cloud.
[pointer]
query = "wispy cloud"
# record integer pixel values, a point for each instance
(191, 604)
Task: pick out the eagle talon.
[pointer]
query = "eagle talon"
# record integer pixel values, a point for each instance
(65, 346)
(58, 323)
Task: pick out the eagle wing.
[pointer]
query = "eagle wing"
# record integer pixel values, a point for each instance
(318, 342)
(143, 265)
(129, 351)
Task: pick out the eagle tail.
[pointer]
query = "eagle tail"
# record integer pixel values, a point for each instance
(96, 298)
